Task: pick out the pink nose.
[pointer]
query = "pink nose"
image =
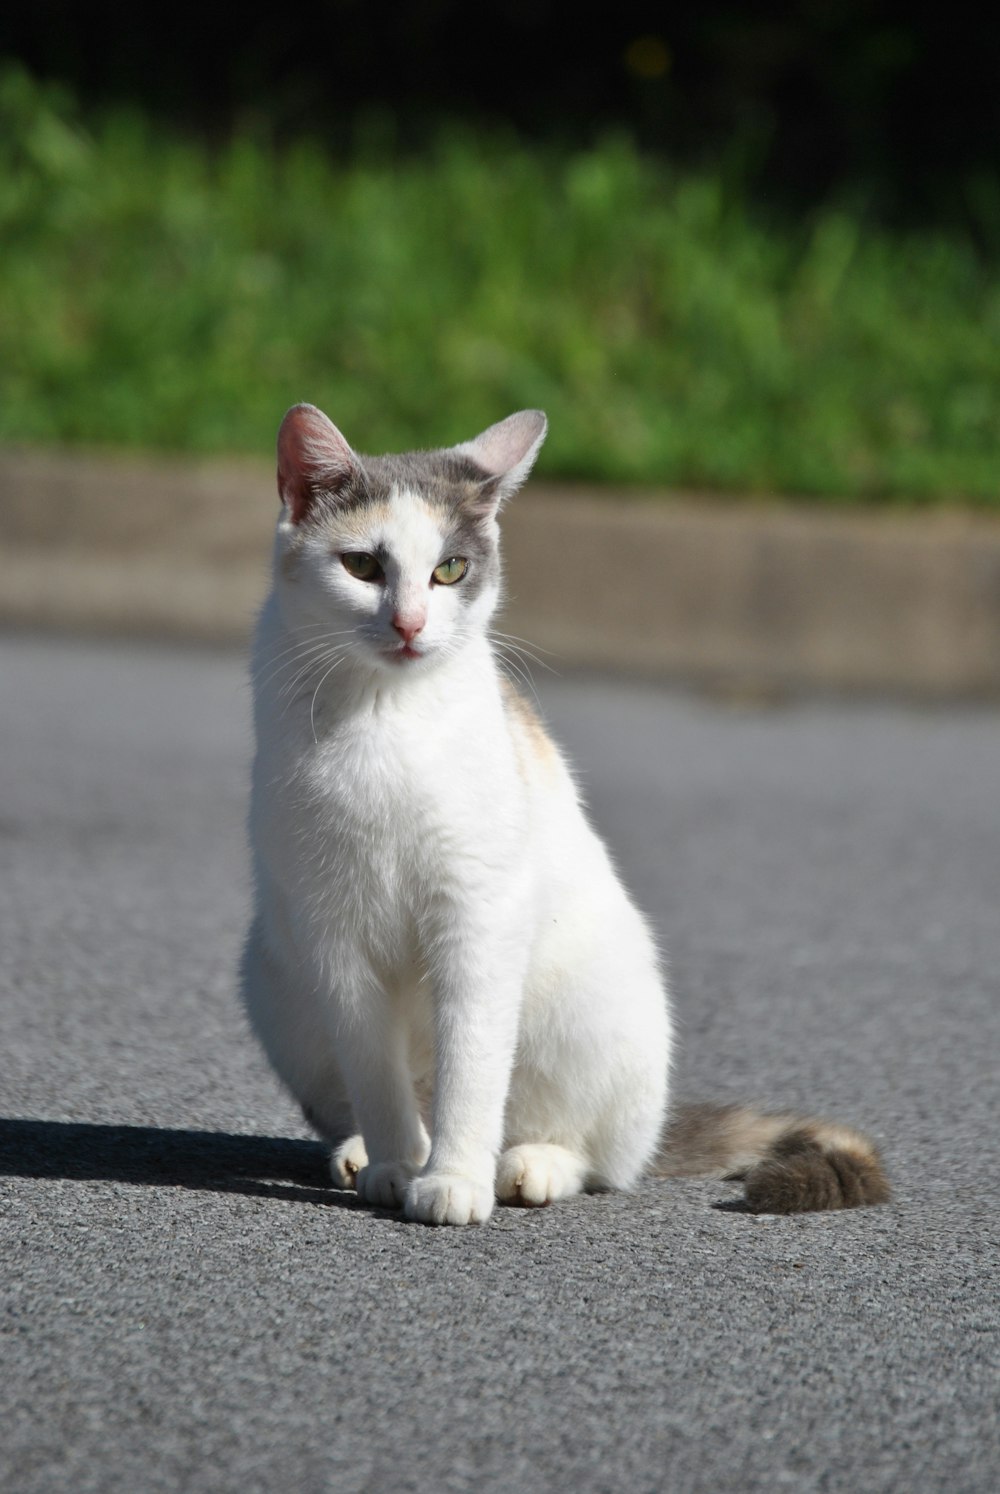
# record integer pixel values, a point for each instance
(408, 625)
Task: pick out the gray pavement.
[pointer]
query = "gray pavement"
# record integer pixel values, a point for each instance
(188, 1306)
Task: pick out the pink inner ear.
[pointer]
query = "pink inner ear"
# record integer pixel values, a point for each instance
(313, 458)
(505, 445)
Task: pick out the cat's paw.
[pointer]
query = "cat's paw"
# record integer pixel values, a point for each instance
(347, 1160)
(449, 1198)
(538, 1173)
(384, 1184)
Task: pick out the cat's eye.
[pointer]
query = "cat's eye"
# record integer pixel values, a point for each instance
(362, 565)
(450, 571)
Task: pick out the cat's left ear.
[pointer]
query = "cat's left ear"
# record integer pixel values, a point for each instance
(507, 451)
(315, 463)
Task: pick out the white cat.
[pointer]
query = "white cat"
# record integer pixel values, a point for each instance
(444, 966)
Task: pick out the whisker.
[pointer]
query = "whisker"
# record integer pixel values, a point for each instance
(314, 627)
(513, 638)
(293, 664)
(520, 647)
(303, 674)
(525, 653)
(298, 652)
(305, 650)
(320, 630)
(516, 668)
(312, 707)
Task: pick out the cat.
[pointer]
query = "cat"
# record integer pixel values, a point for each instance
(444, 967)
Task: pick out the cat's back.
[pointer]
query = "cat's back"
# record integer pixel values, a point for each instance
(563, 843)
(540, 764)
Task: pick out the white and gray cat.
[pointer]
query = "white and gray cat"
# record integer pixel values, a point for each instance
(444, 966)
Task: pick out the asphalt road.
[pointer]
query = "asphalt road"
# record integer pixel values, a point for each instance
(188, 1306)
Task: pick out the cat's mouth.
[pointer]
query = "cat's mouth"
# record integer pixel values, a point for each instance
(404, 652)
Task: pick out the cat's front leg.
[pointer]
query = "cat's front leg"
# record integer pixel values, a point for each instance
(477, 1004)
(373, 1053)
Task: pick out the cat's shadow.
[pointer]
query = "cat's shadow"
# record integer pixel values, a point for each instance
(213, 1161)
(287, 1168)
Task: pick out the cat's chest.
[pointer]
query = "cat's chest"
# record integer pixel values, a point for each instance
(395, 811)
(376, 786)
(384, 795)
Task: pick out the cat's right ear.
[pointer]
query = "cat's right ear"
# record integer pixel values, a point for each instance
(314, 461)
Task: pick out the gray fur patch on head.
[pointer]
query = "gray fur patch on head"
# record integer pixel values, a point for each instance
(458, 491)
(318, 471)
(352, 493)
(444, 478)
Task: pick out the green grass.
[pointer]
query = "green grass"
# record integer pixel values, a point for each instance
(155, 293)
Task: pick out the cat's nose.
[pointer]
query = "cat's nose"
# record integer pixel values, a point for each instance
(408, 624)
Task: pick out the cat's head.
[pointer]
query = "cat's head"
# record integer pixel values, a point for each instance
(398, 556)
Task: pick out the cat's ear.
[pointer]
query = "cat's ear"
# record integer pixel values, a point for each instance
(314, 461)
(507, 451)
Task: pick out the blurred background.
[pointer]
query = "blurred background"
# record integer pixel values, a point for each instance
(738, 247)
(744, 255)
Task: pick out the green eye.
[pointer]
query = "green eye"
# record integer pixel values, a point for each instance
(362, 565)
(450, 571)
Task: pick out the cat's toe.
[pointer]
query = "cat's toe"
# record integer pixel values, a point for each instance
(383, 1184)
(449, 1198)
(538, 1174)
(347, 1160)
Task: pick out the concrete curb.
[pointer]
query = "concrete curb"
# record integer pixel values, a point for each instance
(744, 596)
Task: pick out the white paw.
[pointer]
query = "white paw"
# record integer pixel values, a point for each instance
(449, 1198)
(536, 1174)
(383, 1184)
(347, 1160)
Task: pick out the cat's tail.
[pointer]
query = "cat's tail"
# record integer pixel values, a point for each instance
(788, 1163)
